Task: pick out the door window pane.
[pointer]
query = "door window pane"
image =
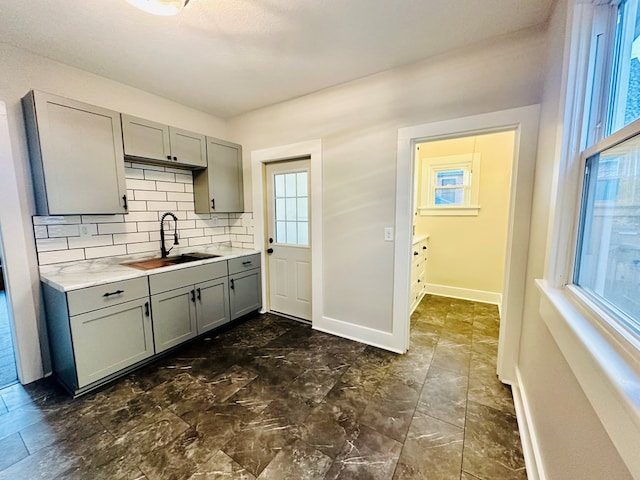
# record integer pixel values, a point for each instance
(292, 208)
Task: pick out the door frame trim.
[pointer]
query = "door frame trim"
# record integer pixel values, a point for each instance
(524, 121)
(311, 149)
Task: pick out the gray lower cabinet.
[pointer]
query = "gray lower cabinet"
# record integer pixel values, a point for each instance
(245, 285)
(99, 331)
(218, 188)
(199, 303)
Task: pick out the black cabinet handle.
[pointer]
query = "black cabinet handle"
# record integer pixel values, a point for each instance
(117, 292)
(232, 286)
(213, 204)
(248, 262)
(125, 204)
(168, 157)
(146, 308)
(193, 296)
(175, 158)
(199, 296)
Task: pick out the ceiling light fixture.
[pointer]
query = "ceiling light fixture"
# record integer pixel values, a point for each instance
(160, 7)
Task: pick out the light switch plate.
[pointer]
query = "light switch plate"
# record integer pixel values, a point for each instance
(388, 234)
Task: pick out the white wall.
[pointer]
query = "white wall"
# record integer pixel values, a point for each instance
(23, 71)
(358, 125)
(571, 440)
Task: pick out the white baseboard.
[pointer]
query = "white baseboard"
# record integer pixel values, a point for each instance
(369, 336)
(530, 445)
(464, 294)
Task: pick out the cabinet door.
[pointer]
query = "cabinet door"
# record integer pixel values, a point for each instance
(245, 293)
(188, 148)
(212, 304)
(76, 156)
(110, 339)
(174, 317)
(219, 187)
(145, 139)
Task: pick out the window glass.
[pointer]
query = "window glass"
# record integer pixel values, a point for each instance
(625, 85)
(608, 256)
(292, 208)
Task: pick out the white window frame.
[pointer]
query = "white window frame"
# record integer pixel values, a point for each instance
(470, 164)
(603, 358)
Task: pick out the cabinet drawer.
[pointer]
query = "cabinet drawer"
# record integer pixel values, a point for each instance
(101, 296)
(163, 282)
(241, 264)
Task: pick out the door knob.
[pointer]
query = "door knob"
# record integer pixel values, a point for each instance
(269, 250)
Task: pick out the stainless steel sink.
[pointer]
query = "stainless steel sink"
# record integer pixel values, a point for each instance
(159, 262)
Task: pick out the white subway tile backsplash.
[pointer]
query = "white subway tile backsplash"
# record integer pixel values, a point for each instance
(63, 231)
(161, 176)
(50, 244)
(47, 258)
(184, 178)
(179, 197)
(138, 237)
(40, 231)
(170, 187)
(92, 241)
(151, 190)
(102, 218)
(161, 206)
(101, 252)
(106, 228)
(60, 220)
(134, 184)
(143, 247)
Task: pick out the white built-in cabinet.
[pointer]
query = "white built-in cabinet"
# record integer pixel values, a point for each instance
(98, 331)
(76, 156)
(188, 302)
(152, 141)
(218, 189)
(419, 250)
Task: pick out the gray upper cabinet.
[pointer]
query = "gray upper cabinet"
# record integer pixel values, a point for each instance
(76, 156)
(154, 142)
(218, 189)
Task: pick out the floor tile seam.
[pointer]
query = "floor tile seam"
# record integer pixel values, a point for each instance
(23, 458)
(415, 408)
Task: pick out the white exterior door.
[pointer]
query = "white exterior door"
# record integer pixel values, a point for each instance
(289, 238)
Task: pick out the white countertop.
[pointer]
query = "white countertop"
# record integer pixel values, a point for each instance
(89, 273)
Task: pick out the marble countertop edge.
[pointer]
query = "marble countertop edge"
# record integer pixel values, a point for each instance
(70, 276)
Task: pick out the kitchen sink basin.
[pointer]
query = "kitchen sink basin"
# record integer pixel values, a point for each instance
(159, 262)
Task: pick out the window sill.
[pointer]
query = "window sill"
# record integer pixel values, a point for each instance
(450, 211)
(606, 367)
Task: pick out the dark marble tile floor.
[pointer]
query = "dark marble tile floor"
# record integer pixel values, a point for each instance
(271, 399)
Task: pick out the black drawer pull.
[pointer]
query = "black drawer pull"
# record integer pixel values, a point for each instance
(232, 286)
(146, 309)
(193, 296)
(199, 295)
(247, 263)
(117, 292)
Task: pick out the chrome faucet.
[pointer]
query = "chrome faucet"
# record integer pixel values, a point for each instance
(163, 250)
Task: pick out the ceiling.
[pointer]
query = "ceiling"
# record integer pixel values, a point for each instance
(226, 57)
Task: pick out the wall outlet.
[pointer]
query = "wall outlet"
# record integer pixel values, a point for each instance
(388, 234)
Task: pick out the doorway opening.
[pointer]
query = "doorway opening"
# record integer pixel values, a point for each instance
(523, 122)
(461, 212)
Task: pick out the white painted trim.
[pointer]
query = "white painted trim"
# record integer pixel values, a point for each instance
(19, 262)
(313, 150)
(482, 296)
(468, 211)
(608, 373)
(524, 121)
(359, 333)
(528, 438)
